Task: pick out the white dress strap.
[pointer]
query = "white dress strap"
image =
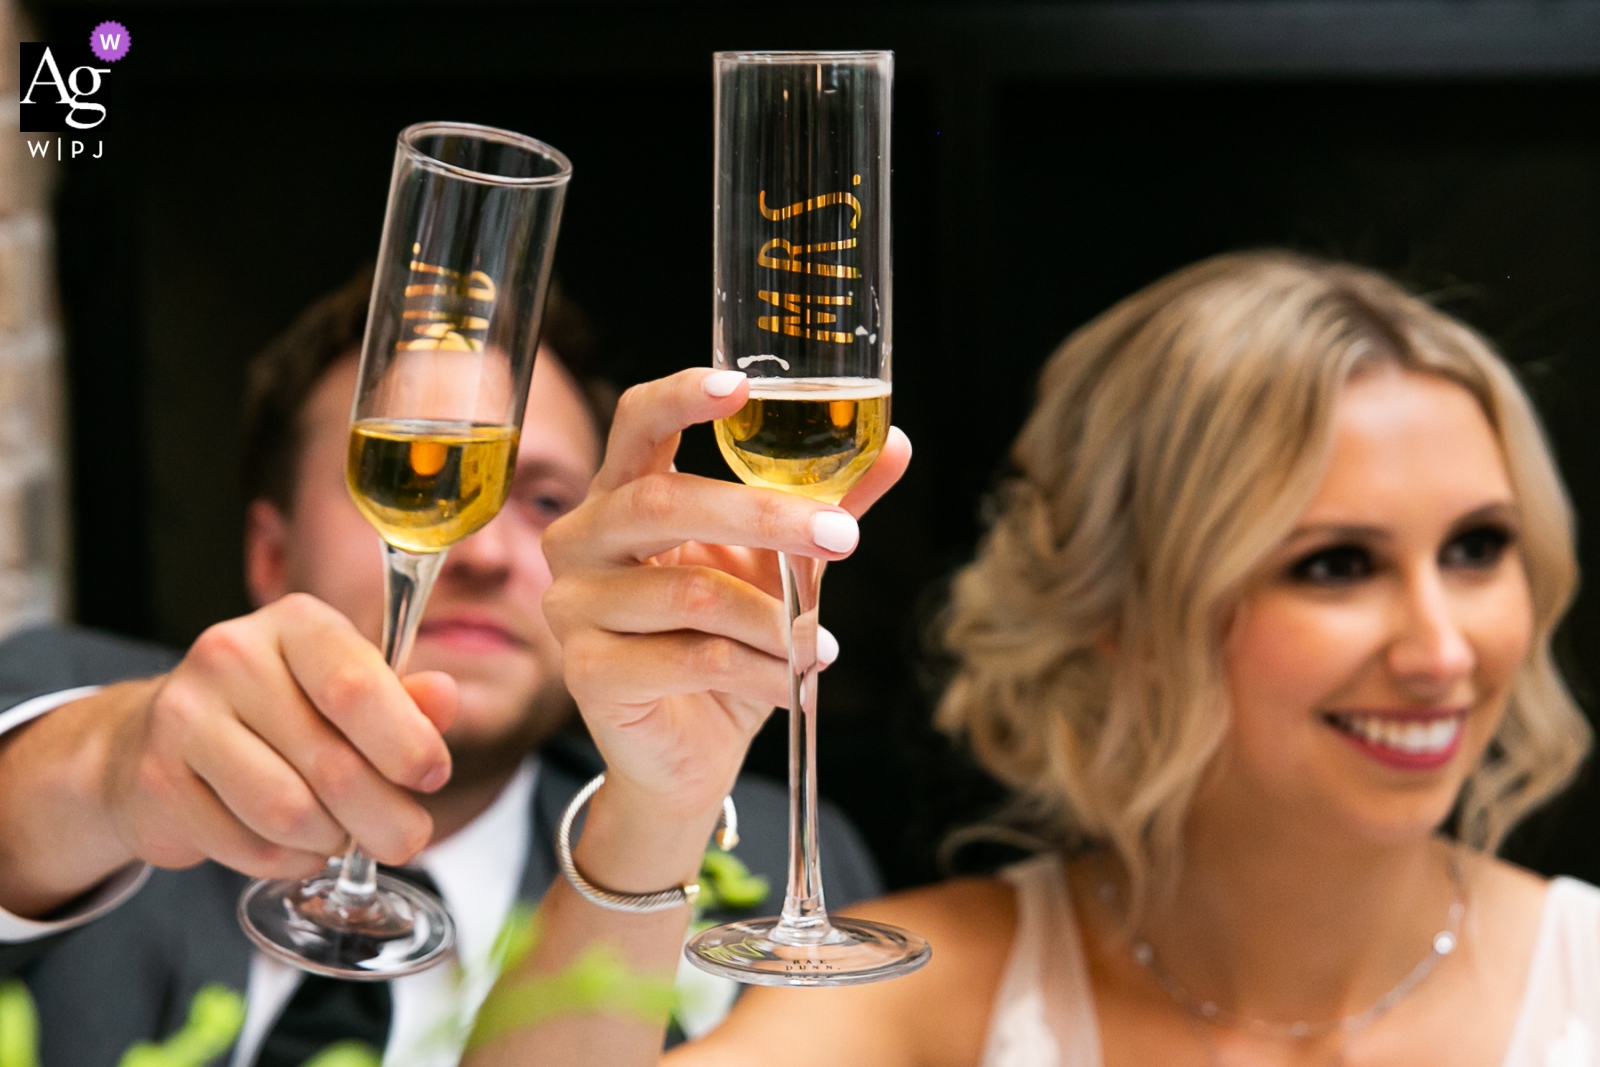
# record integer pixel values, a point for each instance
(1558, 1024)
(1044, 1011)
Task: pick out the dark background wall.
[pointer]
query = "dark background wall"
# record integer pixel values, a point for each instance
(1049, 158)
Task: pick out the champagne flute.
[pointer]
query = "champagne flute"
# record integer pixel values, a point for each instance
(801, 304)
(463, 267)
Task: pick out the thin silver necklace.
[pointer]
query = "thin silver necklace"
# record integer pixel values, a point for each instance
(1212, 1014)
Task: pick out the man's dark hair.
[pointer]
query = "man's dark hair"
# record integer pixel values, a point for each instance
(283, 375)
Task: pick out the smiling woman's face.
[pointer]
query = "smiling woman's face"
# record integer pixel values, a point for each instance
(1370, 663)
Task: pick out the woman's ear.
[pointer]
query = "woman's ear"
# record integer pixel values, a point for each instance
(266, 531)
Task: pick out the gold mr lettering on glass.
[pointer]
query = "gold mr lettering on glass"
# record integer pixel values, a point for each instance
(457, 295)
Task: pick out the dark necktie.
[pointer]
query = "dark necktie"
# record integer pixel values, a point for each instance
(325, 1010)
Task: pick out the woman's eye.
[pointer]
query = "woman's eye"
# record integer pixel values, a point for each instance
(1479, 548)
(1338, 565)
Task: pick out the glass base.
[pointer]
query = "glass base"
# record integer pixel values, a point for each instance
(841, 952)
(403, 931)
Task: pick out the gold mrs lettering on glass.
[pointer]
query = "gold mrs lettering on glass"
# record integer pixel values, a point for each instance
(806, 317)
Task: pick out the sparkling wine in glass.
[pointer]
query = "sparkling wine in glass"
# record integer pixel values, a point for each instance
(802, 304)
(463, 268)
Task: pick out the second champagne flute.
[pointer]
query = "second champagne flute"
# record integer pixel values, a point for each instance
(463, 267)
(802, 304)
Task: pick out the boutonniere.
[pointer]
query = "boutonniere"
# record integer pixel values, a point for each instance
(726, 884)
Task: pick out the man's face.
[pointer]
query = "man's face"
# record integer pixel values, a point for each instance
(483, 624)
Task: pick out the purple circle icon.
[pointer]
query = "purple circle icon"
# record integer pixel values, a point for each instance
(109, 41)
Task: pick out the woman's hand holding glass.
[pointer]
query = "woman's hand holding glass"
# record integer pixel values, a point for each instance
(668, 604)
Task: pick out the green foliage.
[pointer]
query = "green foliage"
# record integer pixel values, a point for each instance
(597, 982)
(346, 1054)
(215, 1016)
(19, 1026)
(517, 936)
(725, 882)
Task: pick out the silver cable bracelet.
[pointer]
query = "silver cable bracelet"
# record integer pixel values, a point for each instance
(637, 903)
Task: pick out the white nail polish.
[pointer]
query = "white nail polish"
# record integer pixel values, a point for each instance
(827, 646)
(720, 383)
(834, 531)
(895, 431)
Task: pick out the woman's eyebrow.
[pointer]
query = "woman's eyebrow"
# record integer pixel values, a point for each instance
(1495, 511)
(1337, 531)
(1498, 511)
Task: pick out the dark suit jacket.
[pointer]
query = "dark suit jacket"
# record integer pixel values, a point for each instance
(130, 975)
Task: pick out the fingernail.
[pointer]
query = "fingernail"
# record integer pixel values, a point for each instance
(834, 531)
(895, 431)
(721, 383)
(436, 777)
(827, 646)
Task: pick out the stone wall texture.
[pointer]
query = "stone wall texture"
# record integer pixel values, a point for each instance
(34, 550)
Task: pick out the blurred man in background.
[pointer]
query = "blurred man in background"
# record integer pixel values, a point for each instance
(279, 735)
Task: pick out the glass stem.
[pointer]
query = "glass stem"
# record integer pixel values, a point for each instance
(805, 917)
(410, 576)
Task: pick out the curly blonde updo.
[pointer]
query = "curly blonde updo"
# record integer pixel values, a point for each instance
(1176, 440)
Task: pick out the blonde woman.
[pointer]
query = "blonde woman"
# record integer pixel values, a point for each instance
(1266, 609)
